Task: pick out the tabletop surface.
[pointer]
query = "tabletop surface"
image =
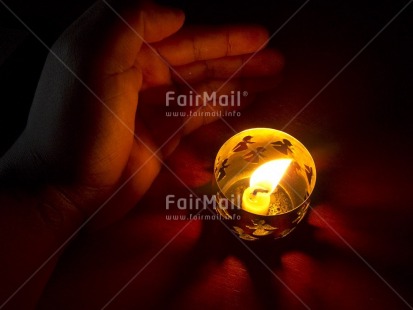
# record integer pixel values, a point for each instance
(353, 249)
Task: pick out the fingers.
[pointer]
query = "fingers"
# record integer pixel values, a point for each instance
(265, 63)
(197, 53)
(134, 28)
(197, 44)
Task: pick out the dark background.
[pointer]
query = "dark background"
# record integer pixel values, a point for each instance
(359, 130)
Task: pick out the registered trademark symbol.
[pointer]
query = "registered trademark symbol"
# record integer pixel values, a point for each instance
(245, 93)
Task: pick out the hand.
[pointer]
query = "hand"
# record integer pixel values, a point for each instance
(84, 135)
(97, 132)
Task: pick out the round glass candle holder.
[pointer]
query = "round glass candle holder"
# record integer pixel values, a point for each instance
(237, 160)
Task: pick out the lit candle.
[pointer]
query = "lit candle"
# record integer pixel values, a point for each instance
(264, 180)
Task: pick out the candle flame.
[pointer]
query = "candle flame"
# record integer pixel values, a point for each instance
(267, 176)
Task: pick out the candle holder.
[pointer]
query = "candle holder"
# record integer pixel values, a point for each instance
(263, 178)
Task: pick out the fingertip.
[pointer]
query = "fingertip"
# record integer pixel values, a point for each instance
(259, 33)
(178, 13)
(259, 37)
(169, 12)
(247, 39)
(161, 21)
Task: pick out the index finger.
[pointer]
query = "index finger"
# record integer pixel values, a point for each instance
(201, 43)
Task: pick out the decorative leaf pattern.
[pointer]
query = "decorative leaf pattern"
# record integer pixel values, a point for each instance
(240, 232)
(285, 232)
(301, 212)
(282, 146)
(300, 216)
(254, 155)
(309, 173)
(295, 166)
(261, 228)
(307, 194)
(243, 145)
(221, 171)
